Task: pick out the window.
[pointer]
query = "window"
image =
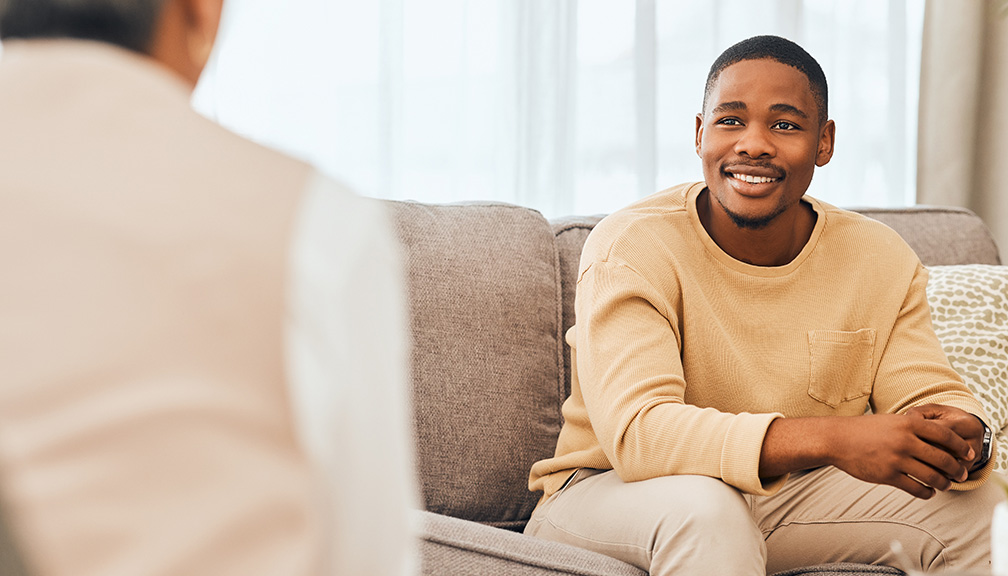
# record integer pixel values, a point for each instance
(567, 106)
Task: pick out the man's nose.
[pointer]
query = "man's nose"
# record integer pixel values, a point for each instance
(755, 142)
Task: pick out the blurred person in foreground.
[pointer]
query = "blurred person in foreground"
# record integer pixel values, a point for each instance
(203, 340)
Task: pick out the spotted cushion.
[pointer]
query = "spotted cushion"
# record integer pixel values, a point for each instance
(969, 310)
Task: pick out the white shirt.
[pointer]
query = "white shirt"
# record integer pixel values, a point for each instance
(347, 352)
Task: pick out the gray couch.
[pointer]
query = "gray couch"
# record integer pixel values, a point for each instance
(491, 290)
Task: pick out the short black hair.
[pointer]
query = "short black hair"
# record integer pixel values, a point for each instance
(775, 48)
(126, 23)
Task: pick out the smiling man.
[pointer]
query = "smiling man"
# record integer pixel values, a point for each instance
(730, 336)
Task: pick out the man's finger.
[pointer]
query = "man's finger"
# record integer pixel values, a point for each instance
(913, 487)
(929, 476)
(940, 462)
(943, 437)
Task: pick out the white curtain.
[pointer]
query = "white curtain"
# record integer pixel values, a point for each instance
(567, 106)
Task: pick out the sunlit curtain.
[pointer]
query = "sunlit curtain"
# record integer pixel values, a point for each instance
(567, 106)
(963, 112)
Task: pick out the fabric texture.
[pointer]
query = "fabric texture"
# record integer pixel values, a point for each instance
(485, 321)
(969, 310)
(652, 272)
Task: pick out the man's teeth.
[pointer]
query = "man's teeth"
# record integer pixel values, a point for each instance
(753, 179)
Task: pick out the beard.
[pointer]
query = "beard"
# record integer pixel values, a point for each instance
(753, 222)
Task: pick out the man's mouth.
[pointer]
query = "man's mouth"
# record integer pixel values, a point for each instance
(753, 179)
(754, 176)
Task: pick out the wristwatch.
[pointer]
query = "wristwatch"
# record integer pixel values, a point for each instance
(985, 449)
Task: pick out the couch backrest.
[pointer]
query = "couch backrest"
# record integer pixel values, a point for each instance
(484, 297)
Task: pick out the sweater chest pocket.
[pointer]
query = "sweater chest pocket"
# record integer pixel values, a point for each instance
(840, 365)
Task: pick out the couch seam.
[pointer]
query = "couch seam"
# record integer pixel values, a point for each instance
(556, 234)
(903, 523)
(561, 372)
(573, 226)
(467, 204)
(919, 209)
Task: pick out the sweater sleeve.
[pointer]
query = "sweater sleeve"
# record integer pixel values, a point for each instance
(914, 369)
(630, 371)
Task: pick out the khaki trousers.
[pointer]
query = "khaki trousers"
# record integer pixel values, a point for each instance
(686, 525)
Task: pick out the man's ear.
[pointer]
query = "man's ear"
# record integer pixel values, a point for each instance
(202, 18)
(827, 136)
(184, 36)
(699, 132)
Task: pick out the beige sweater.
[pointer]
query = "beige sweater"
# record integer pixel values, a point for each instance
(682, 355)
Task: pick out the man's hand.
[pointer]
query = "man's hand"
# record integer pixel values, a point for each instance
(911, 452)
(966, 425)
(918, 452)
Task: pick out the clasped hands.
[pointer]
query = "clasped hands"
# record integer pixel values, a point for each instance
(923, 450)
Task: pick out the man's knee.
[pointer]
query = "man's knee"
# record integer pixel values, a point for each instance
(710, 523)
(968, 543)
(709, 506)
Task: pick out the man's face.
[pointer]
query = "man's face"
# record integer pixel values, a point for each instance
(760, 140)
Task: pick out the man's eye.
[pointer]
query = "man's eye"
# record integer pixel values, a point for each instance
(784, 125)
(729, 122)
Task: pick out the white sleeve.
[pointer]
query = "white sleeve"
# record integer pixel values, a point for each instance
(347, 372)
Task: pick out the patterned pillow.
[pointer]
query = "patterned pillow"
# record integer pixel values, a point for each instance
(969, 310)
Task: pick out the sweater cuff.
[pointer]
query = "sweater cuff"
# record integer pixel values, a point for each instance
(740, 454)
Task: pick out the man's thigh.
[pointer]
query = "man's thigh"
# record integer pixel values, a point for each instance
(673, 524)
(826, 515)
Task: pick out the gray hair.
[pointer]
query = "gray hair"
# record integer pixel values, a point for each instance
(126, 23)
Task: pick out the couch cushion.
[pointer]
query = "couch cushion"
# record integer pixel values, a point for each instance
(486, 356)
(969, 311)
(453, 546)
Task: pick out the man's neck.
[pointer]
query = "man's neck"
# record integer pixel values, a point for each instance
(775, 244)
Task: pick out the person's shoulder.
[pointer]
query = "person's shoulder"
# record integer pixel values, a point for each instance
(333, 214)
(864, 235)
(640, 223)
(341, 204)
